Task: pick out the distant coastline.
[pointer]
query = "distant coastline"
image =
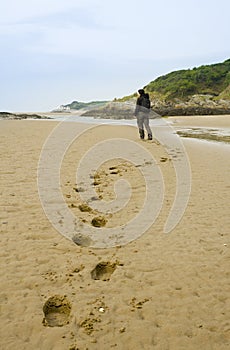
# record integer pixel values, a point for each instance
(22, 116)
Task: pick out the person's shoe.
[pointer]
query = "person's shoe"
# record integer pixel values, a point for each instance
(142, 133)
(150, 137)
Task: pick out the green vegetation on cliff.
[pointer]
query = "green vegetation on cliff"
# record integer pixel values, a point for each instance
(208, 79)
(225, 94)
(211, 79)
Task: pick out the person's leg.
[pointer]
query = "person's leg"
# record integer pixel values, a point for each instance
(140, 124)
(147, 127)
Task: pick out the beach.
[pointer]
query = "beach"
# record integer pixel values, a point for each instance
(163, 291)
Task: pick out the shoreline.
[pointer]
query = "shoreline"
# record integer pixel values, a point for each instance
(201, 128)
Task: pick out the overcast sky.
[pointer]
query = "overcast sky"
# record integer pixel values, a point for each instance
(56, 51)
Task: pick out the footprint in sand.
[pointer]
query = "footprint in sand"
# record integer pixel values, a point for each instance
(57, 311)
(163, 159)
(84, 208)
(103, 271)
(99, 221)
(82, 240)
(114, 170)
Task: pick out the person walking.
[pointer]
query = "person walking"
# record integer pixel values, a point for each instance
(142, 111)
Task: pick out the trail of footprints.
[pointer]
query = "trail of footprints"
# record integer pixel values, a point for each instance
(57, 308)
(101, 180)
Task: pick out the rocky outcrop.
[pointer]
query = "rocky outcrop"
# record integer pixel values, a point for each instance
(113, 110)
(20, 116)
(195, 105)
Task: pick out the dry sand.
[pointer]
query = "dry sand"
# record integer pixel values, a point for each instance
(219, 121)
(163, 292)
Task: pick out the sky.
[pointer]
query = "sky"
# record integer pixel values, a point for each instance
(54, 52)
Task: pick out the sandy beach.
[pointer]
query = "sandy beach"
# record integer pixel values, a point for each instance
(160, 291)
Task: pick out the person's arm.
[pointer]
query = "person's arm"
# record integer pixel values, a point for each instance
(138, 104)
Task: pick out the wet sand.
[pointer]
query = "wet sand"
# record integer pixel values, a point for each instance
(161, 291)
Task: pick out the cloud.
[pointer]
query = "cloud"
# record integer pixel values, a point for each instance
(12, 11)
(114, 30)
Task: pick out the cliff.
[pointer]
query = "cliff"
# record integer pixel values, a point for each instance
(199, 91)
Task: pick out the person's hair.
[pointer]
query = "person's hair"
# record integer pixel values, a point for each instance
(141, 91)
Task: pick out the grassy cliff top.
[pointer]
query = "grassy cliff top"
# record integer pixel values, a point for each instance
(211, 79)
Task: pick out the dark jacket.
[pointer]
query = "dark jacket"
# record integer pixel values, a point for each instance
(141, 104)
